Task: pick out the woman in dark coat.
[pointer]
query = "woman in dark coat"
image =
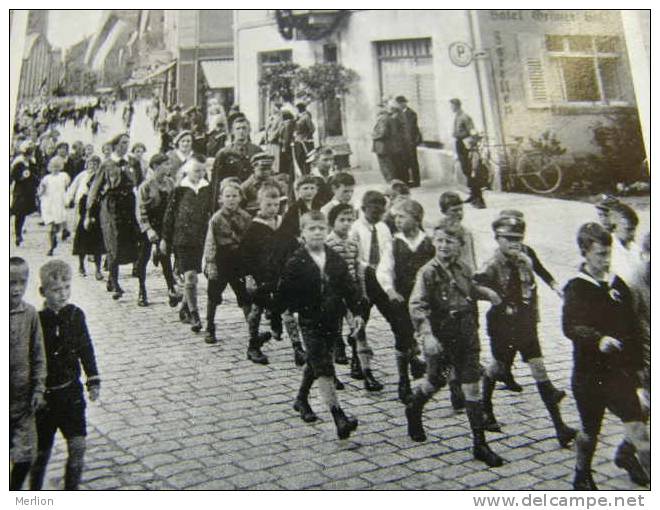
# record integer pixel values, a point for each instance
(112, 193)
(24, 198)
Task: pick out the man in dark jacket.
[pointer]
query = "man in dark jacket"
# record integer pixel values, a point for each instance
(387, 141)
(412, 137)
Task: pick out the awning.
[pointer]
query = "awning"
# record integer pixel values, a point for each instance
(158, 71)
(219, 74)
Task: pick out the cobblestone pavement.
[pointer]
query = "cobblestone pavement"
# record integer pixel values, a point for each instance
(176, 413)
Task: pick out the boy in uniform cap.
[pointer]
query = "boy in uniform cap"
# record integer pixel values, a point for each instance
(444, 313)
(511, 324)
(597, 317)
(262, 164)
(543, 273)
(604, 207)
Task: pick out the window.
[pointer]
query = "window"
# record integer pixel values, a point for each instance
(266, 60)
(406, 69)
(588, 68)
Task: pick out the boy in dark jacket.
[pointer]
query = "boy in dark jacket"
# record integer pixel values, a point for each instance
(222, 260)
(598, 318)
(68, 345)
(317, 285)
(512, 323)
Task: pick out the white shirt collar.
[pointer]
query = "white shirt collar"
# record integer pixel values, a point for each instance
(414, 243)
(185, 183)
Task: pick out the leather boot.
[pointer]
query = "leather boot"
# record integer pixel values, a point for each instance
(414, 410)
(370, 382)
(340, 352)
(298, 354)
(480, 449)
(210, 337)
(584, 481)
(173, 298)
(551, 396)
(490, 422)
(511, 384)
(417, 367)
(456, 396)
(356, 366)
(119, 292)
(142, 298)
(302, 400)
(625, 459)
(254, 353)
(195, 321)
(404, 380)
(345, 424)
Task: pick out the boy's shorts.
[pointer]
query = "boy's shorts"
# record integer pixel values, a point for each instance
(65, 410)
(22, 438)
(462, 348)
(217, 287)
(189, 258)
(510, 334)
(618, 393)
(319, 341)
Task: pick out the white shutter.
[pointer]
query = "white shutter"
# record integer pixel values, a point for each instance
(531, 50)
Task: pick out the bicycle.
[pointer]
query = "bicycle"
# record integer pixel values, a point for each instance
(536, 169)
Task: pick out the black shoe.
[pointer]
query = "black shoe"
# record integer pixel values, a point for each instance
(483, 453)
(174, 298)
(142, 299)
(65, 234)
(119, 292)
(99, 276)
(404, 390)
(414, 410)
(264, 337)
(345, 424)
(370, 382)
(109, 286)
(210, 337)
(299, 356)
(456, 396)
(82, 272)
(340, 353)
(306, 413)
(50, 252)
(479, 203)
(490, 422)
(417, 367)
(566, 435)
(625, 459)
(255, 355)
(18, 241)
(584, 481)
(356, 368)
(195, 322)
(338, 384)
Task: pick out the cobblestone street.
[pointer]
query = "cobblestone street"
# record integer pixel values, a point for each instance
(175, 413)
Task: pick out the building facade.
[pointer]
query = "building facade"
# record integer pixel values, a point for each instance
(517, 73)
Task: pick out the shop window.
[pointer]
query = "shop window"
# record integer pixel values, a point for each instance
(406, 69)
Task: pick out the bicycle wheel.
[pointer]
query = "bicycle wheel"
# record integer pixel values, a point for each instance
(538, 173)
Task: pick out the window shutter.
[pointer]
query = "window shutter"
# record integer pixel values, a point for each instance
(531, 51)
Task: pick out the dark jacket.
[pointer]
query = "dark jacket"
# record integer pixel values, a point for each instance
(411, 133)
(256, 249)
(187, 216)
(407, 263)
(68, 345)
(592, 310)
(319, 297)
(231, 161)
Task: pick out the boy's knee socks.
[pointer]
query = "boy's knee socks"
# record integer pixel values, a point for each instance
(326, 386)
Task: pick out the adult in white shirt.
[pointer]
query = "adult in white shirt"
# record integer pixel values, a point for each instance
(625, 252)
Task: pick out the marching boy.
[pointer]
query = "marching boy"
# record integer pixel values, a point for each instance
(68, 345)
(27, 374)
(444, 312)
(222, 260)
(316, 284)
(511, 324)
(598, 318)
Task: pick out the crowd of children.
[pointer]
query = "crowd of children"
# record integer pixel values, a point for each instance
(301, 256)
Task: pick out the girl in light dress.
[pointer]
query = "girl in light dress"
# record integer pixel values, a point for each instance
(52, 195)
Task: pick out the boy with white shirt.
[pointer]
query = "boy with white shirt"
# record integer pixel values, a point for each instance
(625, 251)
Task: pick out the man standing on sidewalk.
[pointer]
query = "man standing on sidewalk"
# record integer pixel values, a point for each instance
(463, 131)
(411, 139)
